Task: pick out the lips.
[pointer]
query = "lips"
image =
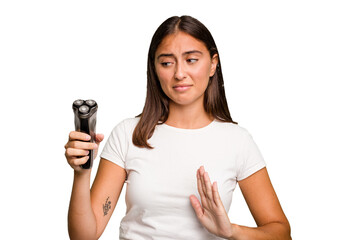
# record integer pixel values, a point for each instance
(182, 87)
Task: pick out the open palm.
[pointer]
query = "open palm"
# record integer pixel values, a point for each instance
(210, 212)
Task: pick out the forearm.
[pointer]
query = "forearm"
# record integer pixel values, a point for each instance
(270, 231)
(81, 219)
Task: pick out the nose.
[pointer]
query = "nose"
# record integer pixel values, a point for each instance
(180, 72)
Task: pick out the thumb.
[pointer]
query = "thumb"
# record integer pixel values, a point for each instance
(99, 137)
(196, 206)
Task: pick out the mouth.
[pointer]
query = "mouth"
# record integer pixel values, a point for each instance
(182, 87)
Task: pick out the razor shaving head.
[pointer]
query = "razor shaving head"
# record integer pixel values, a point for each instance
(84, 109)
(90, 103)
(78, 102)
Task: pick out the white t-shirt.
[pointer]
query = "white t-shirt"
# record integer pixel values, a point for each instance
(160, 180)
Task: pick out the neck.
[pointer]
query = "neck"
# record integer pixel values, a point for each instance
(188, 117)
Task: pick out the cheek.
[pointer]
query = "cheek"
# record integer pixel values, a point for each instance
(163, 79)
(203, 75)
(163, 74)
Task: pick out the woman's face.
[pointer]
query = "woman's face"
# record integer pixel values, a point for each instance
(184, 66)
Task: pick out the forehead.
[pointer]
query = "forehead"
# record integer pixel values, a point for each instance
(180, 42)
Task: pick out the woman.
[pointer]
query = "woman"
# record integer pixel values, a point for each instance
(162, 154)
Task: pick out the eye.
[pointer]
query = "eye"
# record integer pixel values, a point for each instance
(165, 64)
(192, 60)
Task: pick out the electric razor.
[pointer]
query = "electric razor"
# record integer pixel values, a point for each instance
(85, 121)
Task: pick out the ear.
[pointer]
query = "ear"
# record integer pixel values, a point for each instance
(214, 63)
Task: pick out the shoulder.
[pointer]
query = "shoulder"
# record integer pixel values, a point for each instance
(233, 134)
(231, 128)
(128, 122)
(126, 125)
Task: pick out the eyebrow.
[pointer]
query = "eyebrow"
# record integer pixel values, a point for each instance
(185, 53)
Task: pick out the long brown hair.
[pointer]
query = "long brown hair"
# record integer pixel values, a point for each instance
(156, 109)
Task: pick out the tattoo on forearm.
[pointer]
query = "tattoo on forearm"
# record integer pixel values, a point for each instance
(106, 206)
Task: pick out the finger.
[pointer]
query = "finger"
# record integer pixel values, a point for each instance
(200, 190)
(199, 184)
(76, 135)
(196, 206)
(216, 195)
(208, 186)
(73, 152)
(82, 145)
(203, 186)
(99, 137)
(78, 161)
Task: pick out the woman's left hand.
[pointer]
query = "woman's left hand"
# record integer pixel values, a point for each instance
(210, 212)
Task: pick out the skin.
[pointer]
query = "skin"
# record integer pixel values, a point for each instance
(182, 60)
(184, 66)
(86, 218)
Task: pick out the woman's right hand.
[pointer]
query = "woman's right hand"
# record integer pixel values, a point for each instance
(78, 147)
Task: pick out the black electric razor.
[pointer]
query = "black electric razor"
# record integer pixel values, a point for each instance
(85, 121)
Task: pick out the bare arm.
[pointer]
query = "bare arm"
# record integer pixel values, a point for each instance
(81, 219)
(105, 192)
(90, 210)
(261, 199)
(265, 208)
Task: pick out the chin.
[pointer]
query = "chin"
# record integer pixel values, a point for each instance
(187, 102)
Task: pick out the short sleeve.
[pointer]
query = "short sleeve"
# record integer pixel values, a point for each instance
(250, 158)
(115, 147)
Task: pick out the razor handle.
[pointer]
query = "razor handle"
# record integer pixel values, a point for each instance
(85, 121)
